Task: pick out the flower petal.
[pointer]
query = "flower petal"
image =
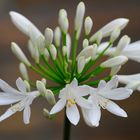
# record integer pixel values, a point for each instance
(117, 94)
(21, 85)
(7, 114)
(27, 114)
(73, 114)
(58, 106)
(115, 109)
(82, 90)
(74, 83)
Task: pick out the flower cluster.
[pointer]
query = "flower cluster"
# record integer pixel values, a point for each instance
(55, 58)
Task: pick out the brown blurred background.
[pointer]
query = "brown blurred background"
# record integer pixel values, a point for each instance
(44, 13)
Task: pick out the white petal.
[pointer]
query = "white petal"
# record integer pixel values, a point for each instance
(73, 114)
(9, 99)
(115, 109)
(84, 103)
(23, 24)
(21, 85)
(117, 94)
(7, 88)
(74, 83)
(113, 83)
(108, 28)
(58, 106)
(102, 84)
(6, 115)
(82, 90)
(27, 114)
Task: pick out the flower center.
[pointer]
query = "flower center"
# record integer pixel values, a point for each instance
(70, 102)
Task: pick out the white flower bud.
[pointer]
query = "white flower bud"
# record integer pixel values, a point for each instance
(88, 25)
(80, 12)
(28, 87)
(81, 64)
(41, 87)
(43, 80)
(124, 41)
(63, 21)
(85, 43)
(36, 55)
(19, 54)
(64, 50)
(97, 38)
(48, 36)
(57, 36)
(31, 48)
(40, 42)
(46, 54)
(115, 61)
(53, 52)
(23, 71)
(50, 97)
(68, 43)
(115, 70)
(115, 34)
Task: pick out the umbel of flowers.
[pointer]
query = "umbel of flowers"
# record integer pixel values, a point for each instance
(55, 58)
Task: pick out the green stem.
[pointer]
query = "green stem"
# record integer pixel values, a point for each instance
(67, 127)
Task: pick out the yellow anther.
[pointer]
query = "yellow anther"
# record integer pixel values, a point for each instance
(71, 101)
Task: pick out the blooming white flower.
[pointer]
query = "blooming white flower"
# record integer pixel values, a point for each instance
(101, 97)
(69, 96)
(20, 97)
(109, 28)
(132, 51)
(131, 81)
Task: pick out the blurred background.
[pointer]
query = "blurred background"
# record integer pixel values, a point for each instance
(44, 13)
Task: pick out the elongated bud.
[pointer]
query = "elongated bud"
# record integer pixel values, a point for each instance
(28, 87)
(115, 61)
(80, 12)
(41, 87)
(57, 36)
(124, 41)
(46, 54)
(23, 71)
(64, 50)
(31, 48)
(133, 85)
(48, 36)
(85, 43)
(88, 25)
(63, 21)
(40, 42)
(115, 70)
(81, 64)
(89, 51)
(53, 52)
(68, 43)
(97, 38)
(19, 54)
(36, 55)
(50, 97)
(115, 34)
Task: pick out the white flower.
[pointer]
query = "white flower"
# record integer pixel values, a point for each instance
(131, 81)
(132, 51)
(69, 96)
(101, 97)
(20, 97)
(109, 28)
(24, 25)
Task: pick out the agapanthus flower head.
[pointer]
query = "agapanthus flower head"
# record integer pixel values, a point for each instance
(55, 59)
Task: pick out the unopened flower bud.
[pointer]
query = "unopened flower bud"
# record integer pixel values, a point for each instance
(115, 34)
(50, 97)
(43, 80)
(64, 50)
(80, 12)
(81, 64)
(88, 25)
(23, 71)
(63, 21)
(46, 54)
(41, 87)
(19, 54)
(115, 70)
(53, 51)
(57, 36)
(115, 61)
(28, 87)
(85, 43)
(36, 55)
(124, 41)
(48, 36)
(40, 42)
(68, 43)
(31, 48)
